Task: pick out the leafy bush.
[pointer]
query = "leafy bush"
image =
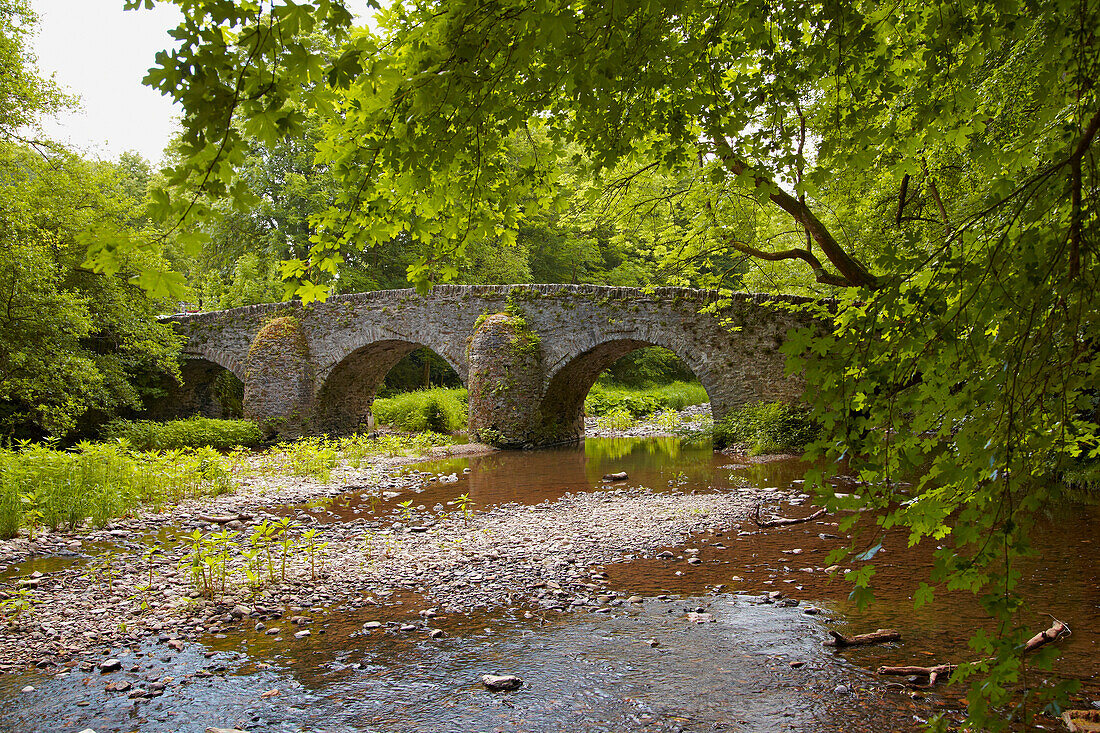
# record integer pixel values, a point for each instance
(437, 410)
(768, 427)
(194, 432)
(616, 420)
(605, 399)
(40, 486)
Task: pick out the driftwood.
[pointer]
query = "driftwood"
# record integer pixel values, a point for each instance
(878, 636)
(224, 518)
(1082, 721)
(933, 673)
(783, 521)
(620, 476)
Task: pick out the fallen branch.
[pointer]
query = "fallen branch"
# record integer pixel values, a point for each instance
(932, 673)
(878, 636)
(784, 521)
(225, 518)
(1057, 631)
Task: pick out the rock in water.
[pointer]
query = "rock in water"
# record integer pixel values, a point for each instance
(620, 476)
(224, 730)
(501, 681)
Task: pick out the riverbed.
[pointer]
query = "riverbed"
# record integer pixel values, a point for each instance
(653, 603)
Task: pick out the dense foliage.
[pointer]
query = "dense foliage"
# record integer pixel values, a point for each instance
(74, 345)
(438, 410)
(606, 398)
(194, 432)
(767, 427)
(931, 166)
(53, 488)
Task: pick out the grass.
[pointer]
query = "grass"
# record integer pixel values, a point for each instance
(438, 410)
(41, 486)
(767, 427)
(195, 432)
(606, 399)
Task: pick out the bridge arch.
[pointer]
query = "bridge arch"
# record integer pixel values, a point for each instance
(572, 378)
(206, 389)
(345, 395)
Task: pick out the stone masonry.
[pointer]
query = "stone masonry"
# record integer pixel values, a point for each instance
(528, 353)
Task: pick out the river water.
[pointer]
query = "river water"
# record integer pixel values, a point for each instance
(753, 667)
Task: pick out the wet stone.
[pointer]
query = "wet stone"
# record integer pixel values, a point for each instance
(501, 682)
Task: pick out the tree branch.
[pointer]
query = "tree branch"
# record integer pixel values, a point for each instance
(852, 272)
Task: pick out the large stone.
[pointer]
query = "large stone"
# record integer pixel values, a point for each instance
(501, 681)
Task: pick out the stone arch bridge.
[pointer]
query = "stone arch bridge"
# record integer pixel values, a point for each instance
(528, 353)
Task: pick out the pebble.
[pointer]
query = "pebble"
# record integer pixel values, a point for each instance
(28, 688)
(841, 689)
(110, 665)
(302, 634)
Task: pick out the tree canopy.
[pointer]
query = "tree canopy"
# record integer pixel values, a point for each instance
(931, 167)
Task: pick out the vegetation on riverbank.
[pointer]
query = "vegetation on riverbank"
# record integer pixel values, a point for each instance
(193, 432)
(768, 427)
(438, 410)
(41, 486)
(607, 399)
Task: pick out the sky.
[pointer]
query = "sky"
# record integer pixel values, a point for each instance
(99, 52)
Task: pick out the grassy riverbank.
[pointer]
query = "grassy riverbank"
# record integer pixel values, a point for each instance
(94, 483)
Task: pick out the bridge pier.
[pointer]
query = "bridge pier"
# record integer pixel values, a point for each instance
(278, 383)
(505, 383)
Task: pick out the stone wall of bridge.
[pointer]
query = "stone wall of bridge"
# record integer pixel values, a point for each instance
(528, 353)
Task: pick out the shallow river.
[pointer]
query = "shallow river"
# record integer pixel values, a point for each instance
(639, 667)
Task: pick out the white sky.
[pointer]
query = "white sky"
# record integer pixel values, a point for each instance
(101, 53)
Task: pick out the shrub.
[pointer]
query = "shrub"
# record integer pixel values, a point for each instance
(605, 399)
(437, 410)
(40, 486)
(767, 427)
(194, 432)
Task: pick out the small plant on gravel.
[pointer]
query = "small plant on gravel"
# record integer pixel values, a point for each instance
(103, 570)
(406, 509)
(195, 561)
(615, 420)
(19, 605)
(261, 540)
(150, 556)
(667, 420)
(253, 568)
(221, 546)
(465, 505)
(314, 548)
(287, 542)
